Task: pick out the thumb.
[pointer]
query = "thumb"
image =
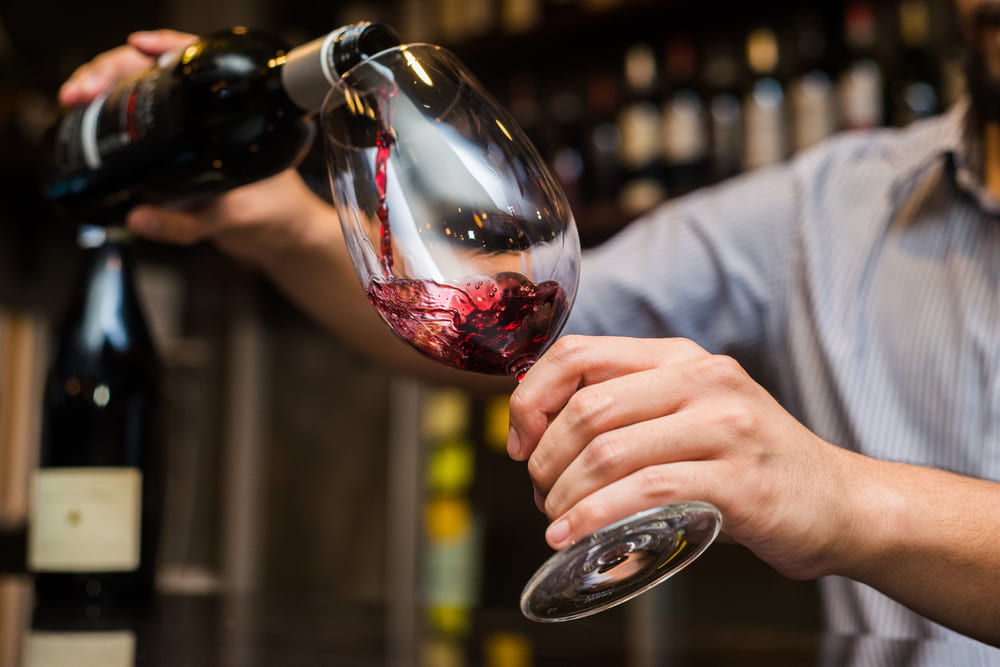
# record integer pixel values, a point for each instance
(157, 42)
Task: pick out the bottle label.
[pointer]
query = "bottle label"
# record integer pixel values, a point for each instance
(80, 649)
(310, 70)
(130, 112)
(85, 520)
(685, 135)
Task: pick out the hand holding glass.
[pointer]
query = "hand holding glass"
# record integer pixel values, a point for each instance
(467, 248)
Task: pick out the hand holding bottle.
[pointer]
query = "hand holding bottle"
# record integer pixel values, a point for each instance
(278, 224)
(139, 52)
(249, 222)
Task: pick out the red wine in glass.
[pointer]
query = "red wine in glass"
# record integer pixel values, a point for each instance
(489, 324)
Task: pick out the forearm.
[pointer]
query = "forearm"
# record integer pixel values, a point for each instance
(929, 540)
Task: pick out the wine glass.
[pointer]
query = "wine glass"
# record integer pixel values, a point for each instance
(467, 248)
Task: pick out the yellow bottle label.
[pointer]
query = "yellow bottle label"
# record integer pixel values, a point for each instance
(85, 520)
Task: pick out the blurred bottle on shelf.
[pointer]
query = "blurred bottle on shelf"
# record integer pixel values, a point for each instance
(452, 532)
(507, 649)
(603, 168)
(813, 102)
(518, 16)
(523, 104)
(566, 137)
(914, 89)
(641, 141)
(685, 127)
(861, 86)
(463, 20)
(765, 125)
(721, 75)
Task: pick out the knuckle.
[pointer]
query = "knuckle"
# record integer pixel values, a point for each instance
(537, 469)
(723, 370)
(590, 511)
(519, 401)
(553, 505)
(569, 349)
(685, 347)
(739, 419)
(606, 452)
(655, 481)
(587, 406)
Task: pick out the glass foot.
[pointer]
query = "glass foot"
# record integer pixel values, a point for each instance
(619, 561)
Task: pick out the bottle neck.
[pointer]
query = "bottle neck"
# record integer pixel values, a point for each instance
(311, 69)
(107, 293)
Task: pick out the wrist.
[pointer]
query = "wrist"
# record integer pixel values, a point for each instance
(283, 221)
(875, 511)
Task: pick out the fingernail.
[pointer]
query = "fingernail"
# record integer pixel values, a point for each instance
(513, 444)
(557, 533)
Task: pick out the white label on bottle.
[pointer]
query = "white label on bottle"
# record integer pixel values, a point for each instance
(88, 131)
(85, 520)
(813, 109)
(765, 125)
(685, 137)
(80, 649)
(861, 95)
(640, 129)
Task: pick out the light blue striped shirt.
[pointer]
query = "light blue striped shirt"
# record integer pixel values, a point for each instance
(859, 281)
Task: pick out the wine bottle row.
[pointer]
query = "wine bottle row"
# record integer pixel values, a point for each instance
(662, 117)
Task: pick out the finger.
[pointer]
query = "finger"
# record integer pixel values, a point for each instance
(140, 52)
(168, 225)
(91, 79)
(593, 422)
(619, 453)
(655, 486)
(576, 361)
(157, 42)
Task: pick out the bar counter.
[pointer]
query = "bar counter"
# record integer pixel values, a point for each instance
(316, 629)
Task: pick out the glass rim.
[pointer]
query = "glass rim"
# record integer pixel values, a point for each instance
(344, 81)
(409, 46)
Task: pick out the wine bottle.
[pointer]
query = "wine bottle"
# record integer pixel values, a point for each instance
(914, 89)
(685, 127)
(231, 109)
(721, 72)
(811, 91)
(641, 142)
(860, 88)
(602, 166)
(96, 494)
(765, 141)
(565, 106)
